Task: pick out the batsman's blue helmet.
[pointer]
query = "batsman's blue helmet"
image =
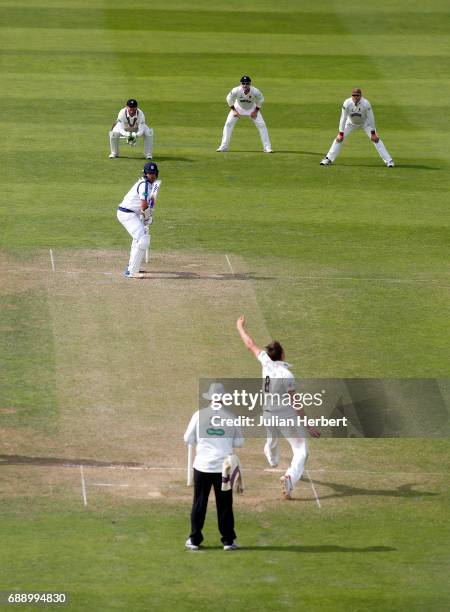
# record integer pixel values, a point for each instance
(246, 79)
(132, 103)
(151, 168)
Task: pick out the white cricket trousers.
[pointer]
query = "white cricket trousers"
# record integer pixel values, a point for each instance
(349, 127)
(115, 134)
(297, 439)
(141, 238)
(258, 121)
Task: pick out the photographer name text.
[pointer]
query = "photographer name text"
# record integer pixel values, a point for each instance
(277, 421)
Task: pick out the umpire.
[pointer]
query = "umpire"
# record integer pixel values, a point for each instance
(213, 445)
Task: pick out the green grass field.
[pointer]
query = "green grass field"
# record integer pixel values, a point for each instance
(346, 265)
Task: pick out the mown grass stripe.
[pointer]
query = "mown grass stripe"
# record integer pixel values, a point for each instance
(100, 39)
(216, 21)
(260, 66)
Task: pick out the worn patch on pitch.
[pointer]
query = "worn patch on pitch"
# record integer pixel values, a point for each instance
(126, 355)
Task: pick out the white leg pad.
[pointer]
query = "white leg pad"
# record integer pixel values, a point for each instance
(138, 249)
(114, 141)
(148, 142)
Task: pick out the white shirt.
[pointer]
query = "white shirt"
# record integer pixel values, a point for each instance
(278, 381)
(212, 449)
(358, 115)
(131, 123)
(244, 103)
(133, 198)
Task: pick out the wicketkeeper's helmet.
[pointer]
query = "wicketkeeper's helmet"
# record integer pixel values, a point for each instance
(151, 168)
(246, 79)
(132, 103)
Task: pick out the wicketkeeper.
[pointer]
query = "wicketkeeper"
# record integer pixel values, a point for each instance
(131, 125)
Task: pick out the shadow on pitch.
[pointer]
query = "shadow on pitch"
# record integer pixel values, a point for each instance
(323, 548)
(182, 275)
(341, 490)
(25, 460)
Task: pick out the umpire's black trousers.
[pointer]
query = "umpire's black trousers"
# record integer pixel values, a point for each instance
(203, 481)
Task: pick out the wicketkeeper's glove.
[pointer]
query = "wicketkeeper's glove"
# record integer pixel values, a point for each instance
(131, 139)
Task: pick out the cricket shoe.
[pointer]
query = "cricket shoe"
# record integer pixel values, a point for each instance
(148, 157)
(127, 274)
(113, 155)
(221, 149)
(286, 486)
(268, 151)
(190, 546)
(390, 164)
(233, 546)
(326, 162)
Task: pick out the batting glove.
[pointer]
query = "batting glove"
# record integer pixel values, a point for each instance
(147, 218)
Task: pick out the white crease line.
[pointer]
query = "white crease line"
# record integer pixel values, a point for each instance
(107, 484)
(432, 282)
(229, 263)
(256, 470)
(314, 489)
(83, 487)
(52, 260)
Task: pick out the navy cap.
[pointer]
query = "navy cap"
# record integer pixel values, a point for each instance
(151, 168)
(132, 103)
(246, 79)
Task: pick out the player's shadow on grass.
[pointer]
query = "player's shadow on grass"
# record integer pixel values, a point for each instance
(389, 170)
(291, 152)
(156, 159)
(284, 151)
(322, 548)
(418, 167)
(341, 490)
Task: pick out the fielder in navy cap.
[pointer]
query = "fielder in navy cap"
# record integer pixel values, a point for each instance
(245, 101)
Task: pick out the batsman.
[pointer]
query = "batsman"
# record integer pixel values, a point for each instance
(135, 213)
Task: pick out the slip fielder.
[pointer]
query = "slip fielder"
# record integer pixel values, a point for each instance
(357, 114)
(245, 101)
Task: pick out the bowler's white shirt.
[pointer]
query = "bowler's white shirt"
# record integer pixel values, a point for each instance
(131, 123)
(133, 198)
(245, 103)
(359, 114)
(211, 451)
(277, 379)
